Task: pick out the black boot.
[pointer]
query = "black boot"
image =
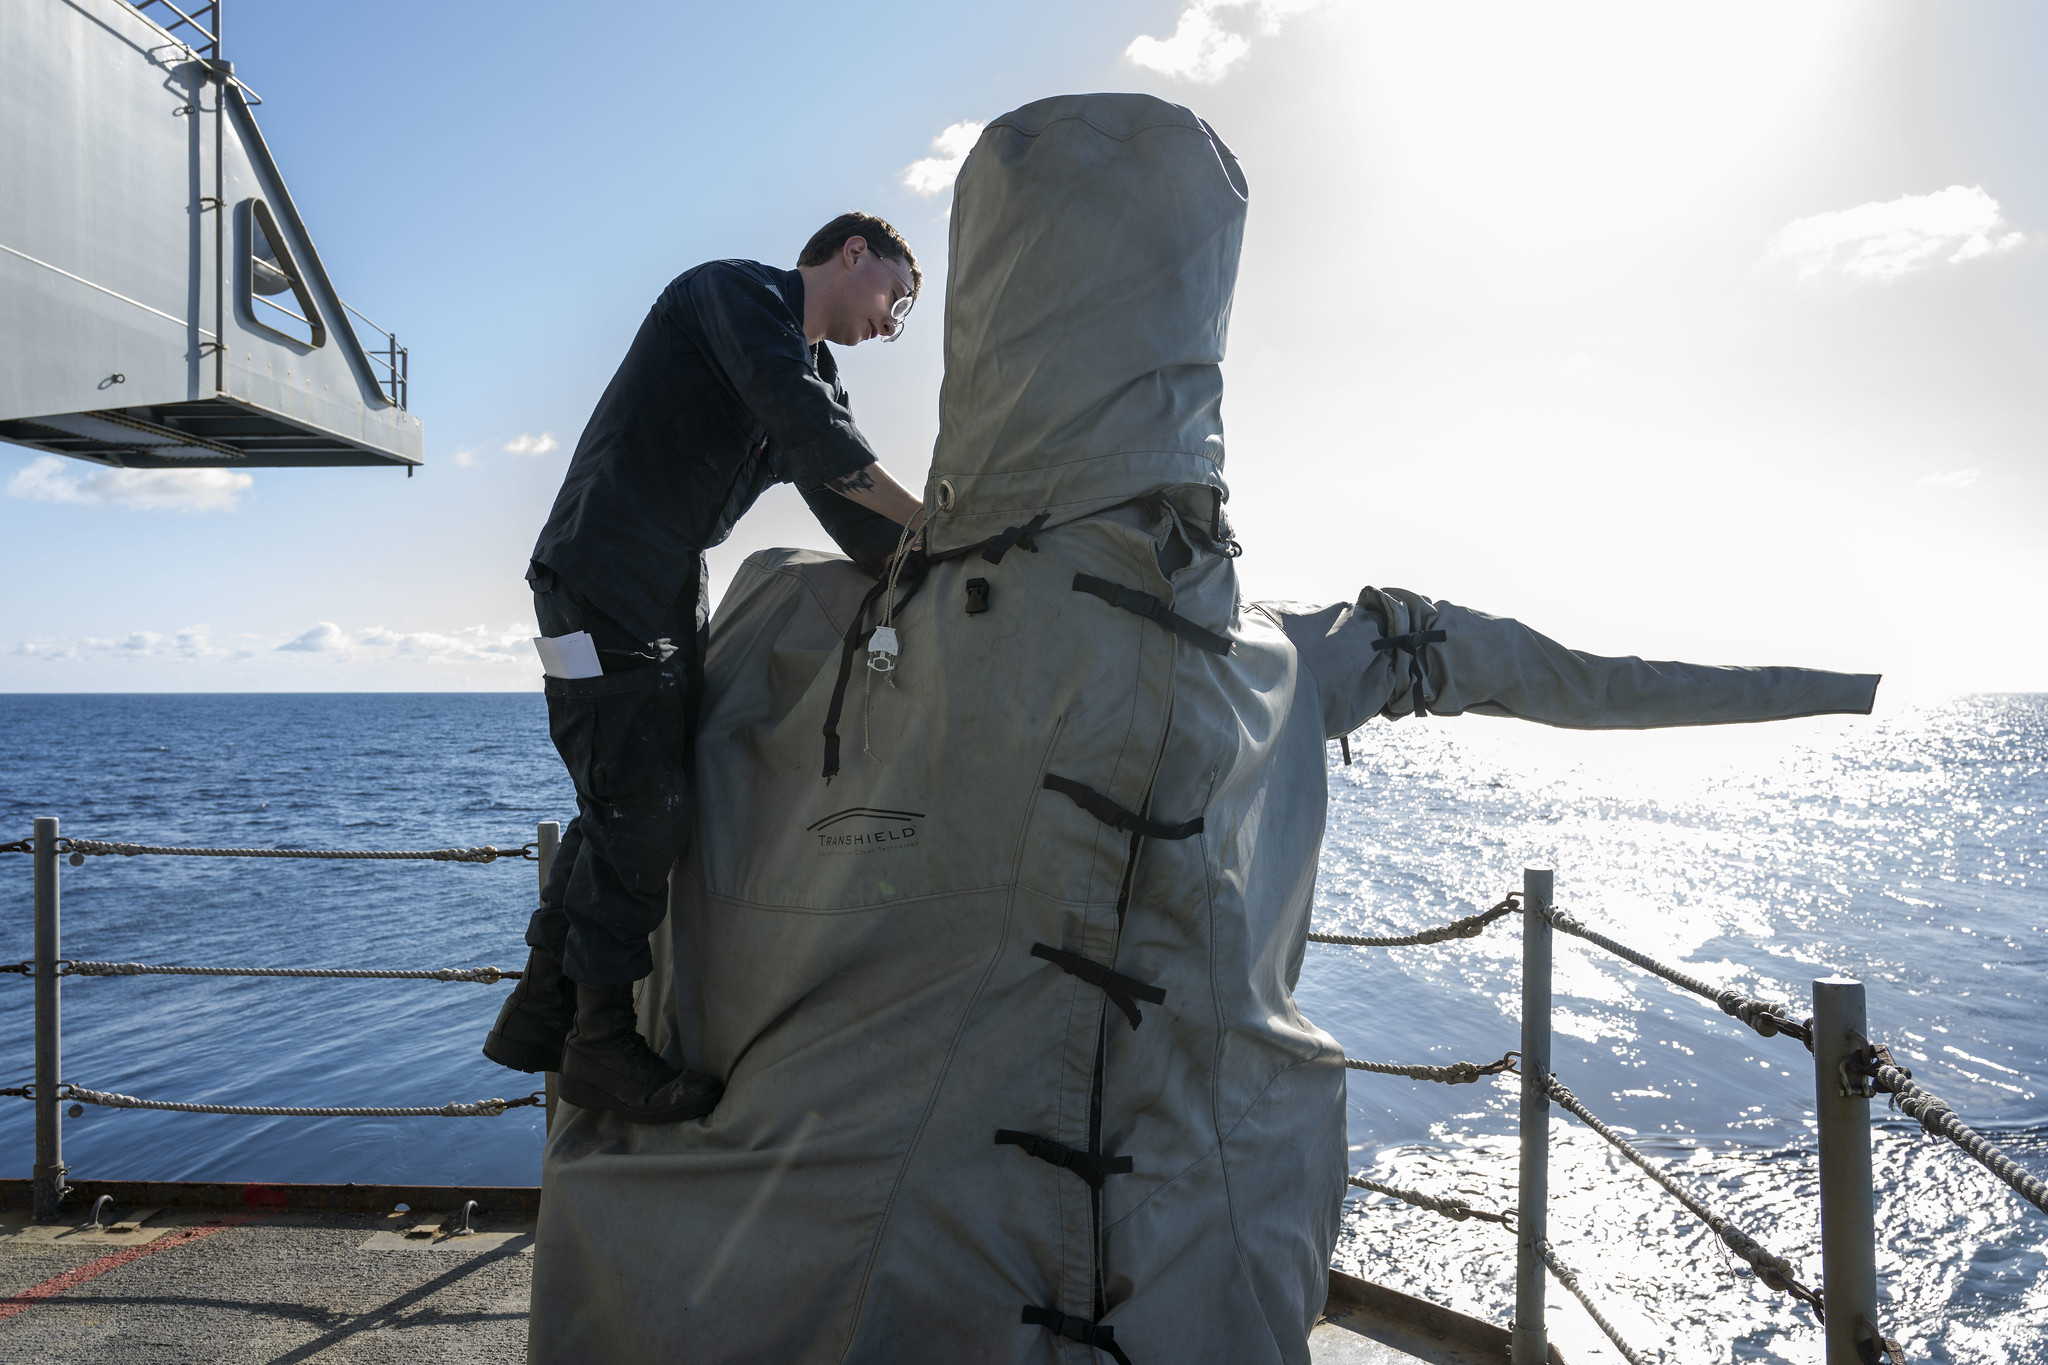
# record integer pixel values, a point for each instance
(607, 1065)
(536, 1018)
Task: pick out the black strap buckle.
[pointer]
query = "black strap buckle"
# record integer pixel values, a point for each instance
(1123, 991)
(1013, 536)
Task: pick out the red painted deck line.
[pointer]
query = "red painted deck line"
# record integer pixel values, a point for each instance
(92, 1270)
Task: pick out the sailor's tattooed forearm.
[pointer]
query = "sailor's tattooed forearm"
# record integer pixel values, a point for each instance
(859, 481)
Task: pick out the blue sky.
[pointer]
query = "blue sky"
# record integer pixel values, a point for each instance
(1710, 333)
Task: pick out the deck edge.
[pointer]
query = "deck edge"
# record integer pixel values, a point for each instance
(236, 1194)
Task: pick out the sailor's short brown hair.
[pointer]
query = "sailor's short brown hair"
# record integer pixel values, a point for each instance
(882, 239)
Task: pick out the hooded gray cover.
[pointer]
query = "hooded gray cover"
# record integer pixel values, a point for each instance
(876, 965)
(1094, 246)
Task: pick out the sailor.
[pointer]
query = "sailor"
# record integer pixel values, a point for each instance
(727, 389)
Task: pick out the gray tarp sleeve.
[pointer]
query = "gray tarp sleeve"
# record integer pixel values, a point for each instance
(1492, 666)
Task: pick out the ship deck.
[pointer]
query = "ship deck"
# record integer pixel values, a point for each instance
(282, 1274)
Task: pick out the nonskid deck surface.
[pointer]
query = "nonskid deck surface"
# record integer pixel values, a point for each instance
(276, 1287)
(283, 1285)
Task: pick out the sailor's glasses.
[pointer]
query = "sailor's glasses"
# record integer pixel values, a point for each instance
(899, 311)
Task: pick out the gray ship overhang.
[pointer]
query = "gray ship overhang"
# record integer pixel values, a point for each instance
(162, 304)
(209, 433)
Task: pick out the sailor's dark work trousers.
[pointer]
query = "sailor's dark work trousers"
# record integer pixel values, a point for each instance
(627, 738)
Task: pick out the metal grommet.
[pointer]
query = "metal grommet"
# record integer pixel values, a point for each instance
(945, 495)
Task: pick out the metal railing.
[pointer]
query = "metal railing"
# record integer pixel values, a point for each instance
(394, 360)
(48, 968)
(294, 314)
(198, 31)
(1849, 1069)
(186, 26)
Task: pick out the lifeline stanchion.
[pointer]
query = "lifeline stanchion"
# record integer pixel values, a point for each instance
(1529, 1344)
(1848, 1220)
(48, 968)
(48, 1183)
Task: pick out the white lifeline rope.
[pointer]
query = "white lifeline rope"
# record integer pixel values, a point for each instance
(486, 853)
(488, 976)
(482, 1109)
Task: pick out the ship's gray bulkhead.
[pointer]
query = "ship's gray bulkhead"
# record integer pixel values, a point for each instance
(161, 302)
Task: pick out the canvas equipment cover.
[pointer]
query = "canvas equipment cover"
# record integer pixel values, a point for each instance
(995, 952)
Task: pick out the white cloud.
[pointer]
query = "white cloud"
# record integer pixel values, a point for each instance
(53, 478)
(527, 444)
(1883, 241)
(191, 642)
(325, 638)
(1201, 48)
(1955, 478)
(512, 646)
(467, 644)
(465, 458)
(934, 174)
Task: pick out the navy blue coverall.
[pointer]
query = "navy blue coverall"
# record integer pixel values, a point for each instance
(718, 398)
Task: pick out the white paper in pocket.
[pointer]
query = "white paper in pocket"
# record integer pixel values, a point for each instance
(568, 656)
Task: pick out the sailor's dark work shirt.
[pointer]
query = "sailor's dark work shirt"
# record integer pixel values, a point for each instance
(718, 397)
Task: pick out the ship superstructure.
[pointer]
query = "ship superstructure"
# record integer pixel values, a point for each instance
(164, 305)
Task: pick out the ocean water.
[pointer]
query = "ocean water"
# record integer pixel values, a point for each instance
(373, 771)
(1909, 850)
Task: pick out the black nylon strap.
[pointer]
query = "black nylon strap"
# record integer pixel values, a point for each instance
(854, 636)
(1123, 991)
(1076, 1329)
(1152, 609)
(1013, 536)
(1409, 641)
(1090, 1166)
(1412, 643)
(1115, 816)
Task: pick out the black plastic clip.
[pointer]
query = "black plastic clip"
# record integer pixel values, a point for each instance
(1015, 536)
